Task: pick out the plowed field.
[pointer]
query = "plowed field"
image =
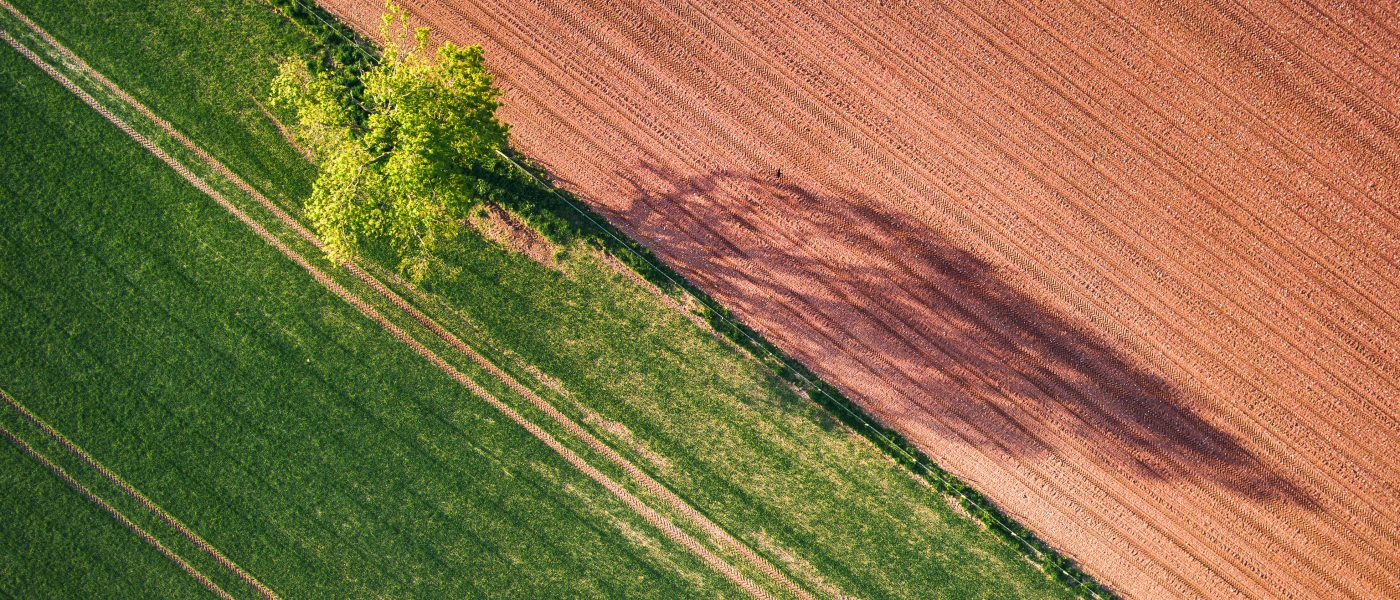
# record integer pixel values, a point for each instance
(1129, 269)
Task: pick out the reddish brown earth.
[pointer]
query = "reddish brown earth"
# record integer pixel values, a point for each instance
(1130, 269)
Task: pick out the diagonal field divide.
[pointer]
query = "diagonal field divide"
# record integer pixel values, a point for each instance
(673, 501)
(106, 507)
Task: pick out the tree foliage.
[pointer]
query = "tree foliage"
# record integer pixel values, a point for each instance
(398, 167)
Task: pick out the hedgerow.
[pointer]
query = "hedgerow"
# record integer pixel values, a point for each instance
(526, 189)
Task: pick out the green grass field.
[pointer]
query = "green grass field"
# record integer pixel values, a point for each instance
(321, 454)
(161, 335)
(57, 544)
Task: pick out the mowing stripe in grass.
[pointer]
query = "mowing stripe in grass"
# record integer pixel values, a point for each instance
(675, 502)
(136, 494)
(653, 517)
(53, 433)
(108, 508)
(231, 263)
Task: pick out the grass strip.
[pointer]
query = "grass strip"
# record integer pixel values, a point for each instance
(42, 281)
(764, 462)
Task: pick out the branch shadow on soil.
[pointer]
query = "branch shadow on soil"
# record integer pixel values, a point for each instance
(855, 292)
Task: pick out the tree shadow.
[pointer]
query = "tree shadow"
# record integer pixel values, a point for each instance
(927, 336)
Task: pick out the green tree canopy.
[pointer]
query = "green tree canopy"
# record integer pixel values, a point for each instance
(396, 167)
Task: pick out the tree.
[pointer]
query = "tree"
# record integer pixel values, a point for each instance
(398, 167)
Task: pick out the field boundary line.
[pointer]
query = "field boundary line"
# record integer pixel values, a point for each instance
(1036, 550)
(916, 382)
(114, 512)
(949, 486)
(649, 514)
(146, 502)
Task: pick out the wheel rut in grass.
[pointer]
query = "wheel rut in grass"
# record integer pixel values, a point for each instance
(673, 503)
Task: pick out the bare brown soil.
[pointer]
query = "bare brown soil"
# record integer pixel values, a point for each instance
(506, 229)
(1129, 268)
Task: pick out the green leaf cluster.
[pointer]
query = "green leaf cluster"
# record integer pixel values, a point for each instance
(400, 167)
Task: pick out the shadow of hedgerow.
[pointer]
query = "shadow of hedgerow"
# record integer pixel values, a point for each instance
(527, 190)
(898, 293)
